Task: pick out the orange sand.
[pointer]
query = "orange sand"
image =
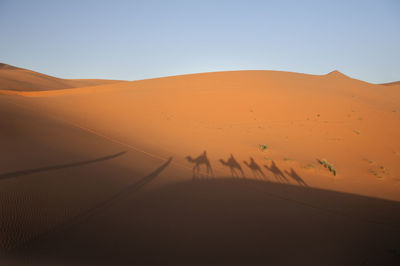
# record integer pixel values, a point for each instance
(301, 119)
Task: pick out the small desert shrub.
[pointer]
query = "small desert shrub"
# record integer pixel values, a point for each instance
(376, 173)
(309, 166)
(383, 168)
(263, 147)
(328, 166)
(357, 132)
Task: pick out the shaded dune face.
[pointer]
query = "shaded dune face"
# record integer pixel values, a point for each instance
(19, 79)
(230, 221)
(225, 166)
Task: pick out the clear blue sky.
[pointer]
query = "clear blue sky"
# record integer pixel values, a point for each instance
(142, 39)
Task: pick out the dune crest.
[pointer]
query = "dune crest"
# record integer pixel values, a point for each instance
(395, 83)
(336, 73)
(18, 79)
(8, 67)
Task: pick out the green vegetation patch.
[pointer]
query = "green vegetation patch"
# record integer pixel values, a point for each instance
(263, 147)
(329, 166)
(309, 166)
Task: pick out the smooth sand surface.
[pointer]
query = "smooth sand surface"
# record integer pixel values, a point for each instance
(104, 173)
(18, 79)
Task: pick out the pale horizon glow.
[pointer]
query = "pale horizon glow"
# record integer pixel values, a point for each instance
(133, 40)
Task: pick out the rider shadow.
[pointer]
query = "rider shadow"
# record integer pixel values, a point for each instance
(59, 166)
(278, 174)
(255, 168)
(296, 177)
(198, 161)
(234, 166)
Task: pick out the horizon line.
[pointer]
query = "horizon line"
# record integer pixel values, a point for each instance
(199, 73)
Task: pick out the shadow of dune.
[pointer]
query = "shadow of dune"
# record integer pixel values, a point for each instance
(59, 166)
(99, 207)
(296, 177)
(234, 166)
(231, 221)
(278, 174)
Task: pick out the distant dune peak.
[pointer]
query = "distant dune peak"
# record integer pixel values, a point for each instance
(336, 73)
(8, 67)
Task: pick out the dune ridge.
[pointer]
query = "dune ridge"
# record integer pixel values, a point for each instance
(18, 79)
(395, 83)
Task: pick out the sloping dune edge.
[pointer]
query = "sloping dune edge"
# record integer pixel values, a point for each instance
(88, 89)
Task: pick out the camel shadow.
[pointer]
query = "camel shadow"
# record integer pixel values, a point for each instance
(198, 161)
(296, 177)
(255, 168)
(234, 166)
(278, 174)
(57, 167)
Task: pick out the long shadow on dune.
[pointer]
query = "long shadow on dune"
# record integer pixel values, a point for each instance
(58, 166)
(231, 221)
(99, 207)
(278, 174)
(202, 159)
(296, 177)
(234, 166)
(255, 168)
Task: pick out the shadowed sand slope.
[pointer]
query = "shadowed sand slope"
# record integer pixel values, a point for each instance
(19, 79)
(231, 221)
(51, 171)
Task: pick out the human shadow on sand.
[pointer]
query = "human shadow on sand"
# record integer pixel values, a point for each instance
(234, 166)
(296, 177)
(198, 161)
(255, 168)
(99, 207)
(278, 174)
(58, 166)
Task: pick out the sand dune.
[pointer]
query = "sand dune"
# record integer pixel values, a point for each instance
(113, 168)
(19, 79)
(396, 83)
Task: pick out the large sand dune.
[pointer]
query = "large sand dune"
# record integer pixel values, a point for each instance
(103, 172)
(18, 79)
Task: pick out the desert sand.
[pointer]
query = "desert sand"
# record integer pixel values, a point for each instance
(210, 168)
(19, 79)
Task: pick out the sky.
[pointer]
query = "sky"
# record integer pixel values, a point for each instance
(133, 40)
